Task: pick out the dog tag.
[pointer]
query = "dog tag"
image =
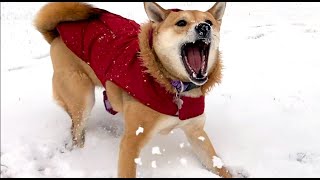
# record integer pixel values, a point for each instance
(178, 101)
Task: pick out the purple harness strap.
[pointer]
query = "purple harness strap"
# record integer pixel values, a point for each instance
(107, 104)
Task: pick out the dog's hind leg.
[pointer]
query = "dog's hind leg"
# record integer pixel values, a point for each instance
(77, 99)
(203, 147)
(72, 88)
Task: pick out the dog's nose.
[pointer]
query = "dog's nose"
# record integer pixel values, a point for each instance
(203, 29)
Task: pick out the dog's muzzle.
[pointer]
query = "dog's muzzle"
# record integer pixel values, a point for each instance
(195, 59)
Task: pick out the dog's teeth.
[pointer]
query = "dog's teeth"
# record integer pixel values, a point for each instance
(207, 41)
(194, 75)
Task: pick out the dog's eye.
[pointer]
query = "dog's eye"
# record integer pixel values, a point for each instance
(181, 23)
(209, 22)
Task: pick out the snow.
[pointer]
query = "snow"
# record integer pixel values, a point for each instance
(183, 161)
(156, 150)
(217, 162)
(138, 161)
(154, 164)
(263, 119)
(139, 130)
(201, 138)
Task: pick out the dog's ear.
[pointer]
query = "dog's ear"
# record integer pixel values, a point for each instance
(155, 12)
(218, 10)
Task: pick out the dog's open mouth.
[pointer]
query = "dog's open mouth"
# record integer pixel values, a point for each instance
(195, 59)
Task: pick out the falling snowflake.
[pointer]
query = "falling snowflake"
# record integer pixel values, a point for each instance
(153, 164)
(201, 138)
(181, 145)
(183, 161)
(156, 150)
(139, 130)
(138, 161)
(217, 162)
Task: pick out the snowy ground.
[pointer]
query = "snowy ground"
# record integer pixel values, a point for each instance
(264, 119)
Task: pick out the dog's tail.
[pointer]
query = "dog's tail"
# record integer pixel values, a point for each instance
(52, 14)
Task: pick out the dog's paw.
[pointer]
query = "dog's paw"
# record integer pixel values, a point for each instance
(78, 143)
(67, 146)
(78, 139)
(224, 173)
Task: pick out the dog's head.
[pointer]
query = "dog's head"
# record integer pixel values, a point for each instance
(186, 42)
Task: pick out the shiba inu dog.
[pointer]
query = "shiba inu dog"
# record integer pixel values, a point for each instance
(156, 74)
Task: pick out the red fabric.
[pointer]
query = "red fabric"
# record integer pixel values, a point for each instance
(109, 44)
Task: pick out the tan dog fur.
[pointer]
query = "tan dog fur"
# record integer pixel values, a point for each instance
(74, 84)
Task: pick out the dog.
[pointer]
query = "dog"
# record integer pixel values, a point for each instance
(156, 74)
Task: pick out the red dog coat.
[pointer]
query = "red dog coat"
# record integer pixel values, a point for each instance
(109, 44)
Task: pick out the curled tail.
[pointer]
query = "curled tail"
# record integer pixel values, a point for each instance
(52, 14)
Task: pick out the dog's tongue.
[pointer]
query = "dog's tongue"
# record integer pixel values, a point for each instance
(194, 58)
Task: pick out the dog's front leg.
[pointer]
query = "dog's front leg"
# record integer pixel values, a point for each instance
(203, 147)
(129, 150)
(139, 129)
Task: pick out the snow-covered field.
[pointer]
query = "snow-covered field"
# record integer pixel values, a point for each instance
(263, 119)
